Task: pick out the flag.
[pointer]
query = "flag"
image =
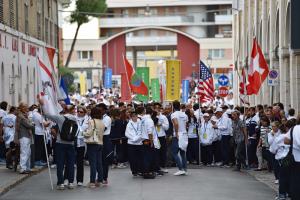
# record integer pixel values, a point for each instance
(258, 70)
(161, 93)
(108, 78)
(185, 90)
(64, 91)
(48, 87)
(136, 84)
(125, 93)
(206, 84)
(155, 89)
(143, 74)
(173, 80)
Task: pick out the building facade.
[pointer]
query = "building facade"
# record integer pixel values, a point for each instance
(26, 27)
(270, 22)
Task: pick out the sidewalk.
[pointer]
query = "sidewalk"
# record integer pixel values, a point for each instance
(264, 177)
(9, 178)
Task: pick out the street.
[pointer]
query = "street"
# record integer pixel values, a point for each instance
(206, 183)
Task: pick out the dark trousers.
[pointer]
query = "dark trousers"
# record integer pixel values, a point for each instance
(240, 152)
(284, 180)
(275, 166)
(266, 154)
(295, 181)
(252, 147)
(162, 152)
(79, 164)
(192, 153)
(2, 150)
(124, 151)
(216, 151)
(149, 159)
(206, 154)
(135, 156)
(117, 148)
(65, 154)
(40, 153)
(225, 146)
(107, 156)
(94, 152)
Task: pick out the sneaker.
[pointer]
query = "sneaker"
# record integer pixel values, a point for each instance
(60, 187)
(24, 172)
(66, 182)
(276, 181)
(121, 166)
(71, 186)
(79, 184)
(226, 166)
(164, 170)
(92, 185)
(179, 173)
(160, 173)
(218, 164)
(105, 183)
(53, 166)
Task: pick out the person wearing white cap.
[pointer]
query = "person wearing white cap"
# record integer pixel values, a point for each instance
(206, 138)
(224, 126)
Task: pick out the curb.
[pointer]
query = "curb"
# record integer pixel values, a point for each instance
(263, 180)
(19, 180)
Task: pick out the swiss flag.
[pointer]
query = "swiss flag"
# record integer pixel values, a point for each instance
(258, 70)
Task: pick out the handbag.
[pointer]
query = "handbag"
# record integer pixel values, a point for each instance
(91, 135)
(289, 160)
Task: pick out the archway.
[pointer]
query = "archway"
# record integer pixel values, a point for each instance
(187, 48)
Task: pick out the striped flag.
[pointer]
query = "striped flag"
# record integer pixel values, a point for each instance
(206, 84)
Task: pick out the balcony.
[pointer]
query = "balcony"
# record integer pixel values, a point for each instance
(223, 19)
(151, 40)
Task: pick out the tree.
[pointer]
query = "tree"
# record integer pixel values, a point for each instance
(84, 10)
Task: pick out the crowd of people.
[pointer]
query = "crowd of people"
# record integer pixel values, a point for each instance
(151, 138)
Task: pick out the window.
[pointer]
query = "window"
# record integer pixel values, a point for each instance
(39, 27)
(46, 31)
(1, 11)
(85, 55)
(55, 35)
(216, 53)
(141, 12)
(26, 18)
(51, 33)
(11, 14)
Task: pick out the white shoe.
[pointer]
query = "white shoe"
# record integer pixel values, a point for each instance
(66, 182)
(53, 166)
(179, 173)
(71, 186)
(164, 170)
(60, 187)
(219, 164)
(276, 181)
(79, 184)
(121, 166)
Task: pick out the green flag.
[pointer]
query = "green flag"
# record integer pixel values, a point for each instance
(155, 89)
(143, 73)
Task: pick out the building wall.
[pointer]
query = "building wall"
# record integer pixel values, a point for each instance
(267, 19)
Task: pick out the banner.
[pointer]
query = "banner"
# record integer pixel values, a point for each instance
(185, 90)
(108, 78)
(82, 82)
(155, 89)
(125, 90)
(143, 74)
(173, 80)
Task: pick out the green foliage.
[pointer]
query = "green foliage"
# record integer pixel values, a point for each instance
(65, 70)
(86, 8)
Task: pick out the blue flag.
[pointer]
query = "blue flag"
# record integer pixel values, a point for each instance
(64, 91)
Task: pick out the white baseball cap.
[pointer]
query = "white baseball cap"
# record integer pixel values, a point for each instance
(205, 115)
(219, 110)
(214, 118)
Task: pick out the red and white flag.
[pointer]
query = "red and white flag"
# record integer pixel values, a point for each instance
(48, 86)
(258, 70)
(206, 84)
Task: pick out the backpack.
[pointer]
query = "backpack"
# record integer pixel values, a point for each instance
(69, 130)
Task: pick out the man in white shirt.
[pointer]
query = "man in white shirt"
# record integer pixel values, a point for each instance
(224, 126)
(161, 128)
(3, 108)
(180, 138)
(148, 136)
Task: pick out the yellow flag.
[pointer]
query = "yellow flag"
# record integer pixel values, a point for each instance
(173, 80)
(82, 82)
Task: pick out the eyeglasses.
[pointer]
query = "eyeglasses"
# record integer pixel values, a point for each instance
(80, 111)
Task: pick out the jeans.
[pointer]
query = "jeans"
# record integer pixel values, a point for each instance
(65, 154)
(40, 153)
(25, 153)
(94, 152)
(225, 146)
(79, 164)
(180, 160)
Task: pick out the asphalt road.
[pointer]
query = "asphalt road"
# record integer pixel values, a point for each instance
(206, 184)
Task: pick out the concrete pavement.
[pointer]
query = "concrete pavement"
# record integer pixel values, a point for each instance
(205, 183)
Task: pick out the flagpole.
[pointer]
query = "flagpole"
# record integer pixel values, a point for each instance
(199, 123)
(127, 77)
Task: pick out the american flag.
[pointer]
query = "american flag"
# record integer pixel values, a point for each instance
(206, 84)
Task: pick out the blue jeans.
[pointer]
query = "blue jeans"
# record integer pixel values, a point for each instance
(180, 161)
(65, 154)
(94, 152)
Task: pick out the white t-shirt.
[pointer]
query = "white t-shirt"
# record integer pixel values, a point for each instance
(38, 120)
(107, 123)
(296, 142)
(2, 113)
(9, 124)
(182, 119)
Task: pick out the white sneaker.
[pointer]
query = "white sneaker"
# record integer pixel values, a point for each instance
(121, 166)
(71, 186)
(53, 166)
(79, 184)
(66, 182)
(276, 181)
(219, 164)
(164, 170)
(179, 173)
(60, 187)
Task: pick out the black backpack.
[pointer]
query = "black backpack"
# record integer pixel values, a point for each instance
(69, 130)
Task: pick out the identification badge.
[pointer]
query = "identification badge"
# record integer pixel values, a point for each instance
(205, 136)
(158, 128)
(195, 131)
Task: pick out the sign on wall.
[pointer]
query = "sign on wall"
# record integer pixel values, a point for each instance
(273, 78)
